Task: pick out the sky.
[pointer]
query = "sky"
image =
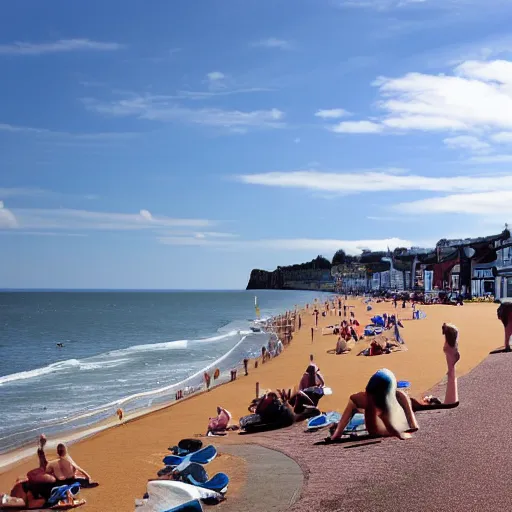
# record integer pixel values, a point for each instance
(178, 144)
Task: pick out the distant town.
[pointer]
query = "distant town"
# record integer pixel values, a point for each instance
(472, 267)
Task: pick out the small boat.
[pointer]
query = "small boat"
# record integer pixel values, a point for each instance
(255, 328)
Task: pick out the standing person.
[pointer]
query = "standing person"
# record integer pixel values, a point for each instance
(316, 317)
(300, 322)
(505, 315)
(312, 334)
(345, 311)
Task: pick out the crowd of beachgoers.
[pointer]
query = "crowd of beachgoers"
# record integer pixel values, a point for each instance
(387, 408)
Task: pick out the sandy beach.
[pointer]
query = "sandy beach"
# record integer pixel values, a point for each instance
(123, 458)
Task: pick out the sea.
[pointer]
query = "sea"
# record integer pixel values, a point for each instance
(120, 349)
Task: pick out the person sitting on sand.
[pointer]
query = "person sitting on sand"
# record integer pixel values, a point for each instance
(311, 378)
(505, 315)
(36, 489)
(342, 347)
(65, 468)
(221, 422)
(387, 410)
(451, 351)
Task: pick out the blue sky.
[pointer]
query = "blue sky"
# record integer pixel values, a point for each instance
(174, 144)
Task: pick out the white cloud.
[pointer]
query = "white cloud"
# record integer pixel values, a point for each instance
(21, 192)
(488, 204)
(69, 219)
(7, 218)
(273, 42)
(491, 159)
(333, 113)
(502, 137)
(43, 132)
(215, 76)
(206, 95)
(356, 127)
(477, 96)
(380, 4)
(467, 142)
(380, 180)
(292, 244)
(60, 46)
(159, 108)
(216, 80)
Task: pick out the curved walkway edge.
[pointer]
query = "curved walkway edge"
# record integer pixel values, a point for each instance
(274, 480)
(459, 460)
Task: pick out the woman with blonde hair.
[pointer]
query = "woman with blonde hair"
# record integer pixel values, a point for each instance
(387, 410)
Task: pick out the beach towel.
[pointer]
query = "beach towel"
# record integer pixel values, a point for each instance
(378, 320)
(166, 495)
(61, 493)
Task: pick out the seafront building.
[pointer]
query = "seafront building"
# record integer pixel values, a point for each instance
(473, 267)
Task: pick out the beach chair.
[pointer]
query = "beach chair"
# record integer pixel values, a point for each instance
(191, 506)
(203, 456)
(186, 446)
(196, 475)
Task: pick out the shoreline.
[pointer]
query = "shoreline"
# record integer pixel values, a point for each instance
(146, 438)
(12, 458)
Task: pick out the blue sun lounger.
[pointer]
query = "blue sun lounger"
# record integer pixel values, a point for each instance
(191, 506)
(196, 475)
(203, 456)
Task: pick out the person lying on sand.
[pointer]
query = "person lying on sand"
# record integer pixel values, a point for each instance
(311, 378)
(303, 402)
(275, 408)
(451, 351)
(387, 410)
(221, 422)
(505, 315)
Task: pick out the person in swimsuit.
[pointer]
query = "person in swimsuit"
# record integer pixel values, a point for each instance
(451, 352)
(505, 315)
(221, 422)
(65, 469)
(311, 378)
(35, 490)
(387, 410)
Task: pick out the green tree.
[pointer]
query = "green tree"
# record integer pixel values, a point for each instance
(339, 258)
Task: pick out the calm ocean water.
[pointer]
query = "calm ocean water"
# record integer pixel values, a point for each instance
(121, 349)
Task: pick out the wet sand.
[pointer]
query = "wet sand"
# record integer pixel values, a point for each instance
(123, 458)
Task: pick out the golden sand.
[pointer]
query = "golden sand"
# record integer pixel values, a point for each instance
(123, 458)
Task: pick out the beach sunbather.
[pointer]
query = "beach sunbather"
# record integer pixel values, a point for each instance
(35, 490)
(311, 378)
(505, 315)
(221, 422)
(342, 346)
(387, 410)
(451, 351)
